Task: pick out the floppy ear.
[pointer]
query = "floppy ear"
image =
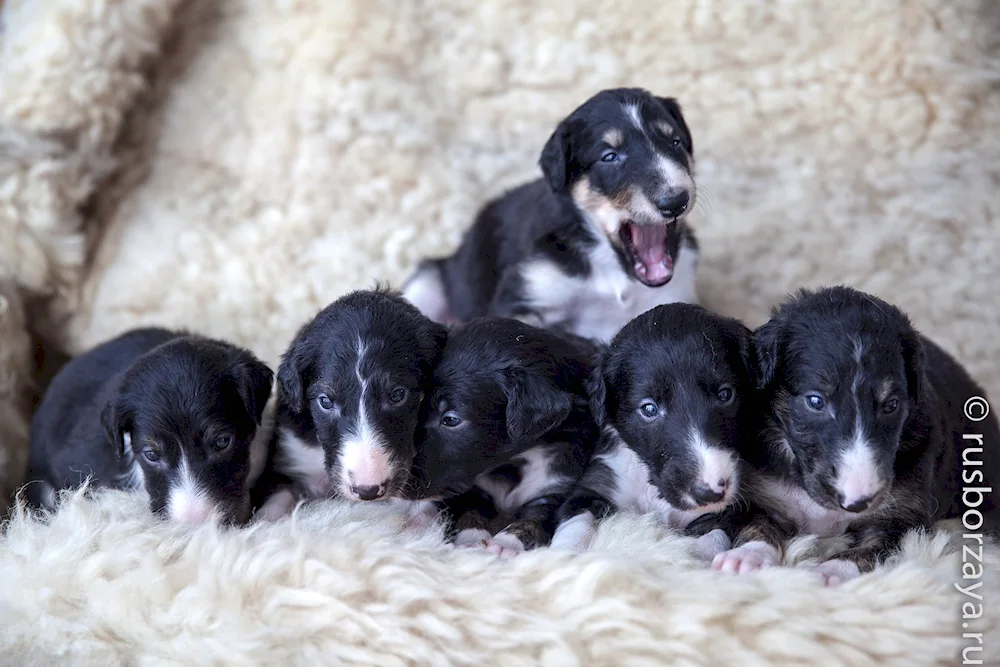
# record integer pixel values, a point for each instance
(555, 157)
(254, 380)
(914, 364)
(116, 425)
(534, 406)
(596, 388)
(290, 381)
(744, 339)
(673, 108)
(766, 352)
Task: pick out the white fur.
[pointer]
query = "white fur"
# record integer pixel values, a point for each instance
(472, 538)
(575, 534)
(835, 571)
(747, 558)
(280, 504)
(188, 500)
(602, 304)
(632, 111)
(676, 176)
(718, 466)
(261, 442)
(133, 479)
(304, 463)
(535, 479)
(810, 517)
(425, 290)
(364, 454)
(857, 473)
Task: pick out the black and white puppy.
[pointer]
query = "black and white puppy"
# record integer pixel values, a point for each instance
(350, 388)
(507, 431)
(185, 417)
(597, 241)
(862, 435)
(674, 392)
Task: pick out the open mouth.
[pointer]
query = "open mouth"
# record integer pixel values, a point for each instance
(647, 248)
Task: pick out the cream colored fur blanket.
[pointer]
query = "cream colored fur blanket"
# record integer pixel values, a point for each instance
(233, 166)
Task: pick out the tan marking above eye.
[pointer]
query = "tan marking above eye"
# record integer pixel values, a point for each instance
(665, 128)
(613, 138)
(884, 390)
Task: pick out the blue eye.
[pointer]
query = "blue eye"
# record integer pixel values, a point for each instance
(815, 402)
(450, 420)
(223, 442)
(649, 410)
(609, 156)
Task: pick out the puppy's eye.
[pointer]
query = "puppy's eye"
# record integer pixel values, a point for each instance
(450, 420)
(675, 142)
(325, 402)
(397, 395)
(726, 394)
(609, 156)
(223, 442)
(649, 410)
(890, 406)
(151, 454)
(815, 402)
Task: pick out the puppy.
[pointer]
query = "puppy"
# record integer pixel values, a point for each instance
(862, 434)
(185, 417)
(506, 432)
(601, 238)
(351, 385)
(673, 392)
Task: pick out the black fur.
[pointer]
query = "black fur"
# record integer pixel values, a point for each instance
(505, 394)
(553, 220)
(358, 352)
(867, 365)
(150, 398)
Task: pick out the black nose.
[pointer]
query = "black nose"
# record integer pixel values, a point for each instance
(673, 204)
(859, 505)
(705, 496)
(368, 492)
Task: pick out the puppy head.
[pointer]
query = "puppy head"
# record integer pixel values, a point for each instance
(186, 416)
(625, 157)
(841, 370)
(676, 385)
(357, 375)
(501, 385)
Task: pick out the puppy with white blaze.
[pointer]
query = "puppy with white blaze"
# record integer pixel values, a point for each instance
(186, 418)
(506, 432)
(862, 434)
(673, 392)
(350, 387)
(599, 239)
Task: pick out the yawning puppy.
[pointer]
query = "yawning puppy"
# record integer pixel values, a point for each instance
(672, 391)
(863, 432)
(185, 417)
(507, 431)
(351, 385)
(600, 239)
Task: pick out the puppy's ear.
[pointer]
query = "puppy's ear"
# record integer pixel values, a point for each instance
(673, 108)
(290, 378)
(534, 406)
(766, 352)
(597, 390)
(116, 425)
(254, 381)
(914, 364)
(744, 339)
(554, 160)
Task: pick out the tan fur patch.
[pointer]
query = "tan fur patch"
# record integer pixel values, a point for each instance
(607, 212)
(613, 138)
(884, 390)
(666, 128)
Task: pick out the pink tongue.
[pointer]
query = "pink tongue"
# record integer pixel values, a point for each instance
(650, 242)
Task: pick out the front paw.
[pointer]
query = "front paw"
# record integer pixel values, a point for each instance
(747, 558)
(711, 544)
(505, 545)
(279, 505)
(835, 571)
(472, 538)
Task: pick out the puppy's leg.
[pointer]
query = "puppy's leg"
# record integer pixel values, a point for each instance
(426, 290)
(533, 527)
(279, 505)
(759, 544)
(471, 514)
(577, 519)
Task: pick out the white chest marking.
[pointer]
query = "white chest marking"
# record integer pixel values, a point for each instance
(809, 517)
(262, 440)
(601, 304)
(304, 463)
(634, 493)
(536, 478)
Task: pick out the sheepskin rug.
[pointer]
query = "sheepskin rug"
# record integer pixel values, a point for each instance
(231, 167)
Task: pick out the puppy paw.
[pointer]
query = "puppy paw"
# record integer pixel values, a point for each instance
(747, 558)
(574, 534)
(835, 571)
(505, 545)
(420, 515)
(472, 538)
(279, 505)
(711, 544)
